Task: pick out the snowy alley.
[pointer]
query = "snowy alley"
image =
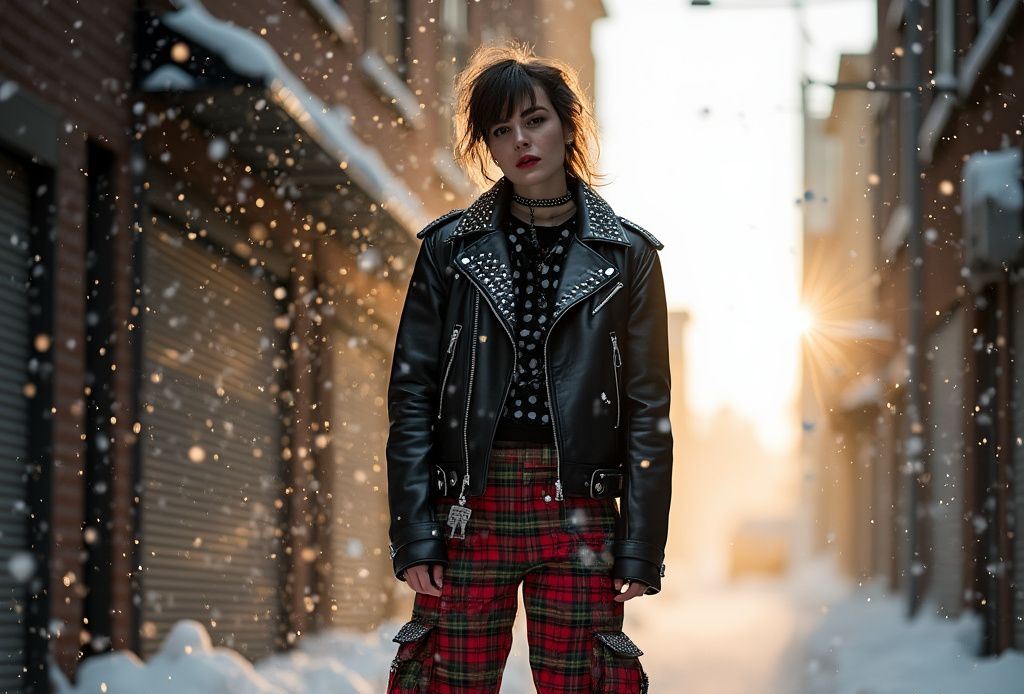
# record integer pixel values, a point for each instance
(743, 280)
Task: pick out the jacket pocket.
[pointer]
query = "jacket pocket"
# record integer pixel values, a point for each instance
(412, 666)
(608, 296)
(615, 665)
(616, 367)
(448, 367)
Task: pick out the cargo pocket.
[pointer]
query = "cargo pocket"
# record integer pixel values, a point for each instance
(615, 668)
(411, 668)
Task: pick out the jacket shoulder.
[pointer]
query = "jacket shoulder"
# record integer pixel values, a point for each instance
(648, 236)
(439, 222)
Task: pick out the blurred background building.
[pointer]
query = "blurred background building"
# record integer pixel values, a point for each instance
(936, 508)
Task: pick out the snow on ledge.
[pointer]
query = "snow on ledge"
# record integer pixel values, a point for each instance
(392, 86)
(251, 56)
(335, 18)
(448, 169)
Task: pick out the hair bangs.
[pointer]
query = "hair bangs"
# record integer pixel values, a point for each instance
(500, 78)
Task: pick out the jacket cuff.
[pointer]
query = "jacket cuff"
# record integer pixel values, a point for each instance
(424, 530)
(418, 552)
(637, 549)
(630, 569)
(417, 543)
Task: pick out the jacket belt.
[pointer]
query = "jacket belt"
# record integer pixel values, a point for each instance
(577, 480)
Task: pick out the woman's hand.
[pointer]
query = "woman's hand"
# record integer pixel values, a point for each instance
(419, 578)
(635, 588)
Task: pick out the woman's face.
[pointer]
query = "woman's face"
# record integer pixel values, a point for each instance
(530, 147)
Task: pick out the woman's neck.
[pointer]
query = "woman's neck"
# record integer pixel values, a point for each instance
(554, 187)
(545, 216)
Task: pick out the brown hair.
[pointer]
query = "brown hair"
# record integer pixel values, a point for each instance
(495, 80)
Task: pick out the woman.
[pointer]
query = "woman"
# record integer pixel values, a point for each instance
(529, 390)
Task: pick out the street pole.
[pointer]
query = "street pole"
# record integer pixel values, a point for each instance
(911, 194)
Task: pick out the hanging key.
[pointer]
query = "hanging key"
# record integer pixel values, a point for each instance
(458, 516)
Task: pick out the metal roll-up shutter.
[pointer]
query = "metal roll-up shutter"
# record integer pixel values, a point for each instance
(360, 567)
(1017, 478)
(14, 428)
(945, 535)
(212, 498)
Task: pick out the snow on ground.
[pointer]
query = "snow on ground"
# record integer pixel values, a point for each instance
(864, 645)
(806, 633)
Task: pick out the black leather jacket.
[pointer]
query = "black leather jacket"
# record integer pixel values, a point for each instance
(607, 372)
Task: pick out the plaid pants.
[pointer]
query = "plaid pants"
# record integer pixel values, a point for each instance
(458, 643)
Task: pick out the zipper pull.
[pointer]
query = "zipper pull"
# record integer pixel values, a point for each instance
(617, 360)
(462, 491)
(451, 342)
(558, 490)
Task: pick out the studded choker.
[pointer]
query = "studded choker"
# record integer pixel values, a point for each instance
(543, 202)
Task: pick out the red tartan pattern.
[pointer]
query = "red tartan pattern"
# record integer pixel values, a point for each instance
(560, 551)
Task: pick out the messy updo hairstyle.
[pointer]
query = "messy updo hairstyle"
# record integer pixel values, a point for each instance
(496, 79)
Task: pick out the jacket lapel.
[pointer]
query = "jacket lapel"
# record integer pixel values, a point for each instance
(585, 271)
(487, 263)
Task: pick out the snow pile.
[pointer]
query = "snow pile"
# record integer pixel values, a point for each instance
(335, 662)
(865, 645)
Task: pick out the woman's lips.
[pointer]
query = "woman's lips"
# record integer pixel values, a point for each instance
(527, 162)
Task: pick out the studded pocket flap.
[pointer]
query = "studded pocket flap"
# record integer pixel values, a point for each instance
(412, 631)
(619, 642)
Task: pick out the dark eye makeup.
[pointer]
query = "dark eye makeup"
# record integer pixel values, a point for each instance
(538, 119)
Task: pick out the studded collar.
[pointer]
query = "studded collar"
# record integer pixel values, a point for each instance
(489, 212)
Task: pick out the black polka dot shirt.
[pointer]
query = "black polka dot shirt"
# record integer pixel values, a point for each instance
(526, 415)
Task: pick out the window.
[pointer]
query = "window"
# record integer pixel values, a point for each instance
(945, 44)
(454, 54)
(387, 26)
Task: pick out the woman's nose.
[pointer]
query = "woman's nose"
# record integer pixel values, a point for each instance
(521, 139)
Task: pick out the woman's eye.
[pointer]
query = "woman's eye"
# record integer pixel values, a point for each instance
(498, 131)
(538, 119)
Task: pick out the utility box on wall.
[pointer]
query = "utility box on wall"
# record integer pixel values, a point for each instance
(992, 199)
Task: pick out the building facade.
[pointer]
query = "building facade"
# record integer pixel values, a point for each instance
(934, 502)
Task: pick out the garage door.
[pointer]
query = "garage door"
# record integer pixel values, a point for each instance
(14, 222)
(360, 562)
(212, 509)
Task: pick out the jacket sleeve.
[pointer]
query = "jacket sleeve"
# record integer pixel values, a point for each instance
(416, 537)
(642, 529)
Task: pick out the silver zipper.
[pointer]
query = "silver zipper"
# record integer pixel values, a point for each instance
(616, 363)
(605, 300)
(469, 399)
(559, 496)
(444, 381)
(465, 426)
(508, 385)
